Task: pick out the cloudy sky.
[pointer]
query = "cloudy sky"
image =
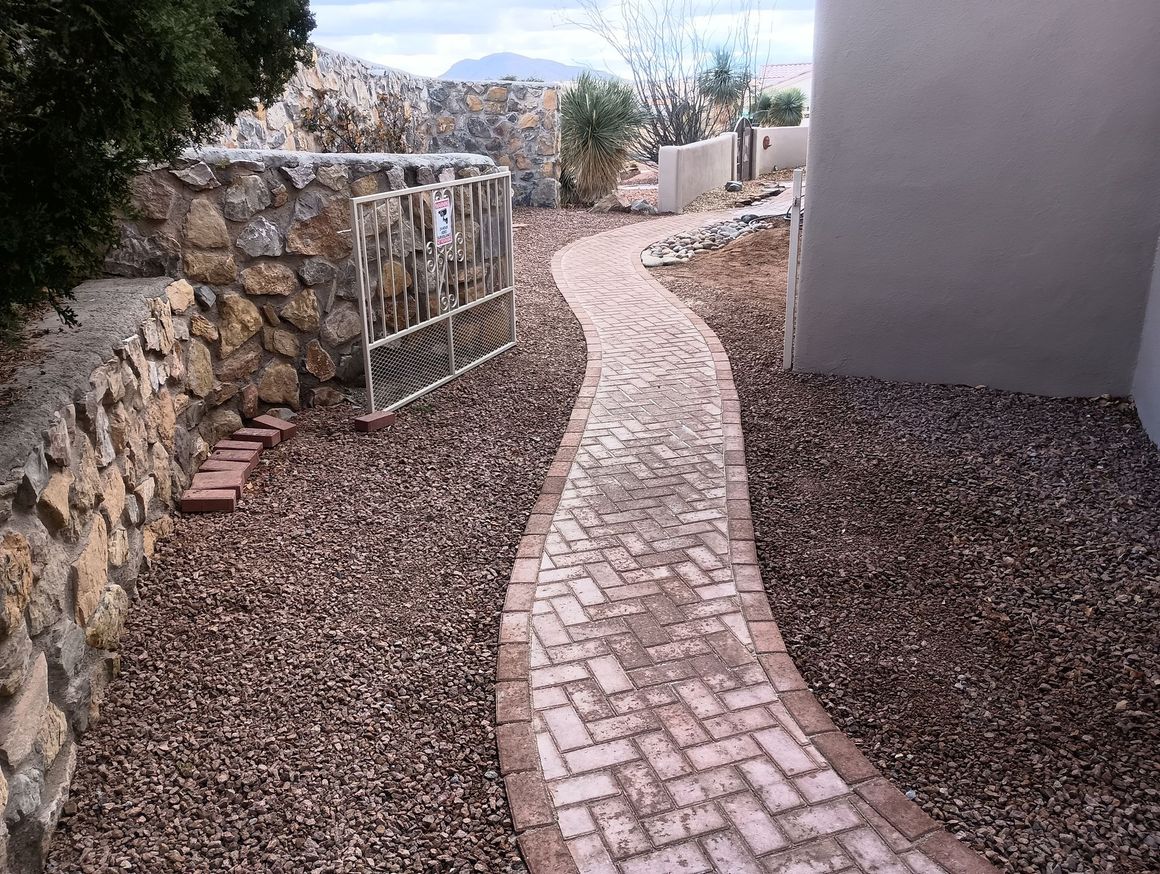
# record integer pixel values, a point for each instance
(428, 36)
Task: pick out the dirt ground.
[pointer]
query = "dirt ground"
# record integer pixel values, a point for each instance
(308, 682)
(967, 578)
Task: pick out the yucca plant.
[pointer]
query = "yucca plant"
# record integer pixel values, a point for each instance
(724, 81)
(600, 121)
(783, 109)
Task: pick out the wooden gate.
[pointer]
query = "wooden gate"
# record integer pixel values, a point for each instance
(744, 131)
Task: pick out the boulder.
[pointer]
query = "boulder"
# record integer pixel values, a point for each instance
(303, 312)
(216, 268)
(15, 577)
(342, 325)
(197, 176)
(318, 227)
(204, 226)
(246, 196)
(239, 320)
(269, 277)
(91, 571)
(260, 237)
(180, 295)
(278, 384)
(199, 368)
(282, 342)
(318, 361)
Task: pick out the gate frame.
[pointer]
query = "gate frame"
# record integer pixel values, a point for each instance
(501, 174)
(746, 153)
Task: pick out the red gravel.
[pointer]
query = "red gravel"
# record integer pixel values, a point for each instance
(307, 683)
(968, 580)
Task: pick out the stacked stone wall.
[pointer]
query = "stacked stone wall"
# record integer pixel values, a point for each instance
(514, 123)
(104, 426)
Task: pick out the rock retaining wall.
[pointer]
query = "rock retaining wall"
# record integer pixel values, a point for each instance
(93, 456)
(514, 123)
(105, 425)
(263, 240)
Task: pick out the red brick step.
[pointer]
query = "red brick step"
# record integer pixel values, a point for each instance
(209, 501)
(266, 436)
(286, 429)
(374, 421)
(239, 445)
(214, 465)
(219, 480)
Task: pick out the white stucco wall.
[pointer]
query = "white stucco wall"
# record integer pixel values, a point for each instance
(687, 171)
(1146, 385)
(983, 181)
(787, 147)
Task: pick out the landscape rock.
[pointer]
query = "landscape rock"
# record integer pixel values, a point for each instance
(216, 268)
(260, 237)
(278, 384)
(303, 311)
(205, 227)
(197, 176)
(318, 361)
(239, 320)
(269, 277)
(246, 196)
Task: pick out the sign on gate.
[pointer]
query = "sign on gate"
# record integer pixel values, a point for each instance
(436, 283)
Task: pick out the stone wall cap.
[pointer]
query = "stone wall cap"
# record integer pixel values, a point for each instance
(285, 158)
(62, 358)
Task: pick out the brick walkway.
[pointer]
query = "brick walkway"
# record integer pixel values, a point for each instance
(649, 717)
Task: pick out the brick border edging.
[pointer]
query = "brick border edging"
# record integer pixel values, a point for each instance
(533, 815)
(867, 782)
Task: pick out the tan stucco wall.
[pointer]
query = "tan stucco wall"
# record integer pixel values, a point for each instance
(687, 171)
(983, 182)
(787, 147)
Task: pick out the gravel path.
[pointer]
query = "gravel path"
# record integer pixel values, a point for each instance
(968, 580)
(308, 683)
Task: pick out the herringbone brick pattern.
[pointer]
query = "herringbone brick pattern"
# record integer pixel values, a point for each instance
(659, 734)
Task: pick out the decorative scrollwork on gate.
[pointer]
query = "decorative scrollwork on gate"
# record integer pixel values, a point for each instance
(441, 258)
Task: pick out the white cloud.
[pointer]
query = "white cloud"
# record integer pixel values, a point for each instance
(428, 36)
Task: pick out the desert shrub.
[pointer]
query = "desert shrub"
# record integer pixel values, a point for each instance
(600, 121)
(783, 109)
(340, 126)
(91, 89)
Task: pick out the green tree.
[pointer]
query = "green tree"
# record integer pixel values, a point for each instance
(600, 121)
(783, 109)
(724, 81)
(92, 89)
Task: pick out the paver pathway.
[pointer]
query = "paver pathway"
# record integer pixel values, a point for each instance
(649, 717)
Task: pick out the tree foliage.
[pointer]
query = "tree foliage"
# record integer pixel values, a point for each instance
(600, 121)
(725, 81)
(91, 89)
(783, 109)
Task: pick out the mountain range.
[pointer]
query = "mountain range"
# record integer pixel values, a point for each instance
(508, 64)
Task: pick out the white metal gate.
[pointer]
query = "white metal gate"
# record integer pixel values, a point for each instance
(436, 283)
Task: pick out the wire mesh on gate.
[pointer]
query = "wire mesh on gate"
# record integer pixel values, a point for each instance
(436, 283)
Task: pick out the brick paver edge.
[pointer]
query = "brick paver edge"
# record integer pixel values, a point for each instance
(533, 816)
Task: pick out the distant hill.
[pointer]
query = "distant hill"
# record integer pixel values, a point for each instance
(502, 64)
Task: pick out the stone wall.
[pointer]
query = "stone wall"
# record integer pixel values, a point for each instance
(104, 426)
(264, 240)
(514, 123)
(92, 456)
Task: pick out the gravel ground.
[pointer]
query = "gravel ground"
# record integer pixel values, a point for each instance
(719, 198)
(967, 578)
(307, 683)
